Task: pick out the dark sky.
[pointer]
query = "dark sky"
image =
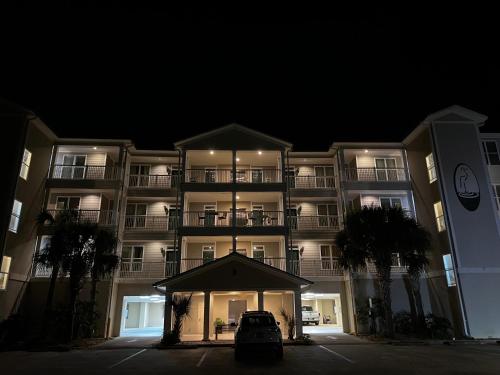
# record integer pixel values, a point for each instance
(309, 76)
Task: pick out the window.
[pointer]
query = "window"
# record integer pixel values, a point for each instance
(68, 203)
(491, 152)
(385, 169)
(257, 175)
(4, 272)
(324, 176)
(15, 216)
(132, 257)
(208, 253)
(170, 261)
(431, 168)
(387, 202)
(449, 270)
(73, 167)
(135, 215)
(438, 212)
(327, 215)
(139, 175)
(258, 252)
(326, 254)
(25, 165)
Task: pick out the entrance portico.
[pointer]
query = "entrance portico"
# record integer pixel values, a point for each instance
(230, 285)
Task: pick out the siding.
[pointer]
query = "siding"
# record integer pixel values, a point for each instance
(363, 161)
(223, 248)
(87, 201)
(311, 248)
(93, 158)
(152, 250)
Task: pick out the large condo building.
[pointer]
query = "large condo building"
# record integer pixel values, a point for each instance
(242, 222)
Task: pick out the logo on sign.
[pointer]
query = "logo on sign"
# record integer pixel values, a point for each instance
(466, 187)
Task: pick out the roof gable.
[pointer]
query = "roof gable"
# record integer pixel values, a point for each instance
(233, 136)
(233, 272)
(457, 113)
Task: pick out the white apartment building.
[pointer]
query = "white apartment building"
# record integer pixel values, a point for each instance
(242, 222)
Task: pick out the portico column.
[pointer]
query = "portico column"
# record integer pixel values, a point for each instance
(298, 312)
(167, 319)
(260, 300)
(206, 317)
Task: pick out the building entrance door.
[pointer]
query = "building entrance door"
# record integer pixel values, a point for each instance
(235, 309)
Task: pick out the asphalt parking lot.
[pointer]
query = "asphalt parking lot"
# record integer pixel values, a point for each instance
(326, 358)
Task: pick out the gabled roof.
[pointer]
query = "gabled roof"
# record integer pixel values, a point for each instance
(233, 272)
(235, 135)
(456, 113)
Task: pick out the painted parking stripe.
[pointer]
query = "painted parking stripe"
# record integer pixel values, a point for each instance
(331, 337)
(134, 340)
(337, 354)
(129, 357)
(201, 359)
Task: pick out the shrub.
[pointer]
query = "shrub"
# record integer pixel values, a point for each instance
(403, 323)
(438, 327)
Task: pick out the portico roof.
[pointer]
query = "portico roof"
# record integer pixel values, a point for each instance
(233, 272)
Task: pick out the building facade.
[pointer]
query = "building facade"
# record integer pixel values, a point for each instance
(240, 221)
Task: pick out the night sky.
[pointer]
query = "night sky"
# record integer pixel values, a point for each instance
(308, 76)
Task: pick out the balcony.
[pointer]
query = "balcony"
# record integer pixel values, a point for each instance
(147, 270)
(151, 181)
(84, 172)
(225, 176)
(314, 223)
(100, 217)
(149, 223)
(224, 219)
(311, 182)
(375, 174)
(316, 267)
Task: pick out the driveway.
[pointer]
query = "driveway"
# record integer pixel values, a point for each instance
(370, 359)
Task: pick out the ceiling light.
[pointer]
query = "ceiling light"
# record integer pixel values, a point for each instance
(237, 159)
(95, 148)
(366, 150)
(259, 152)
(237, 197)
(211, 152)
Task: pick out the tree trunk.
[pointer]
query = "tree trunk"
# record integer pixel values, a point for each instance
(411, 301)
(384, 279)
(50, 299)
(415, 284)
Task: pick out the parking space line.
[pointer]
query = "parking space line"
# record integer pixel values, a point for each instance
(129, 357)
(337, 354)
(331, 337)
(201, 359)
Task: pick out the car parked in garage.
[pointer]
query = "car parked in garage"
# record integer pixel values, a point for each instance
(309, 315)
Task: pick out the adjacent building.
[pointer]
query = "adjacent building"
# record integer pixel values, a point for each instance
(242, 222)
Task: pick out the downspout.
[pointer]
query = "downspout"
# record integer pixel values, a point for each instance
(178, 213)
(287, 192)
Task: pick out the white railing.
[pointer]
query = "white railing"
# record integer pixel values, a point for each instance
(307, 267)
(375, 174)
(311, 182)
(209, 176)
(318, 222)
(254, 218)
(146, 270)
(149, 222)
(150, 181)
(258, 175)
(100, 217)
(85, 172)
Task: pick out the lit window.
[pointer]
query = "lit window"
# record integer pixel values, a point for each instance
(449, 270)
(4, 272)
(431, 168)
(438, 212)
(491, 152)
(132, 257)
(14, 217)
(25, 165)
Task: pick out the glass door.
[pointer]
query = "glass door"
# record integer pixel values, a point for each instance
(210, 215)
(208, 253)
(385, 169)
(290, 177)
(295, 260)
(326, 214)
(258, 253)
(170, 261)
(324, 176)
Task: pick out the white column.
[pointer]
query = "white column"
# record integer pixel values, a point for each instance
(260, 300)
(298, 312)
(206, 317)
(167, 319)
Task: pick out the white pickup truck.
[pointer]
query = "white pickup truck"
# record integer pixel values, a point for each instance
(309, 315)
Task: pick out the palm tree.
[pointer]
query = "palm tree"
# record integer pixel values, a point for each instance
(181, 306)
(413, 257)
(51, 256)
(373, 234)
(104, 261)
(290, 322)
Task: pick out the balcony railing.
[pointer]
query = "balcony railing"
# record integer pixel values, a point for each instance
(225, 219)
(190, 263)
(258, 176)
(307, 267)
(100, 217)
(150, 223)
(375, 174)
(147, 270)
(248, 176)
(304, 223)
(311, 182)
(85, 172)
(209, 176)
(136, 181)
